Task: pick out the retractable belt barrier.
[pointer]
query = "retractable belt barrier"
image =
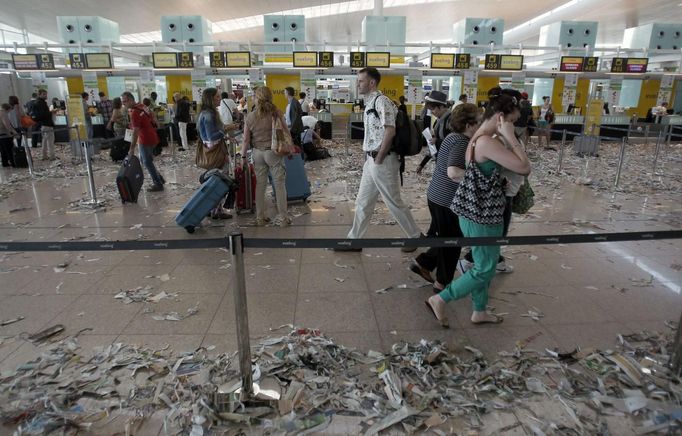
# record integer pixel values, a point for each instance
(188, 244)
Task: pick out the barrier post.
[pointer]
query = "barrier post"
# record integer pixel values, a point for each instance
(29, 156)
(670, 134)
(677, 350)
(85, 145)
(241, 313)
(656, 152)
(171, 142)
(561, 151)
(620, 161)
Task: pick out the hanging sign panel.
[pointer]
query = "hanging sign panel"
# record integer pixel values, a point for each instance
(98, 61)
(357, 59)
(216, 59)
(590, 64)
(305, 59)
(33, 62)
(462, 61)
(326, 59)
(378, 59)
(629, 65)
(238, 59)
(572, 64)
(77, 61)
(186, 59)
(165, 60)
(504, 62)
(445, 61)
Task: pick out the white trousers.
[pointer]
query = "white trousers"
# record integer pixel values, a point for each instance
(381, 179)
(48, 141)
(182, 128)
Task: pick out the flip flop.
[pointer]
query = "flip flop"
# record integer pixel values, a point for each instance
(443, 322)
(498, 320)
(421, 271)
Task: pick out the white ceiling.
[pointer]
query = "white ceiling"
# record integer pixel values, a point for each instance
(429, 20)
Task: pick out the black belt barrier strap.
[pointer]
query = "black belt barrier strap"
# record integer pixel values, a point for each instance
(186, 244)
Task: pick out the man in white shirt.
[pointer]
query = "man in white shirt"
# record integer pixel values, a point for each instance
(226, 108)
(381, 172)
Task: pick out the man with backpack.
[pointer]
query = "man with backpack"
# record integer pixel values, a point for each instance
(381, 171)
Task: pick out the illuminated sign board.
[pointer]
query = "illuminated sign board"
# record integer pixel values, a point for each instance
(572, 64)
(186, 59)
(165, 60)
(33, 62)
(463, 61)
(504, 62)
(326, 59)
(629, 65)
(77, 61)
(445, 61)
(305, 59)
(357, 59)
(216, 59)
(378, 59)
(591, 64)
(98, 61)
(238, 59)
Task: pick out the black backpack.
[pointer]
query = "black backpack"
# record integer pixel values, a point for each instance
(406, 140)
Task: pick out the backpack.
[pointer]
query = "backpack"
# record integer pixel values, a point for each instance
(406, 140)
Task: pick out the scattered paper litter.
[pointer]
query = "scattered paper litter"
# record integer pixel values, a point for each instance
(533, 257)
(339, 279)
(136, 227)
(175, 316)
(384, 290)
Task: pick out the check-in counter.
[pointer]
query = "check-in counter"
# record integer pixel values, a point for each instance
(672, 120)
(61, 135)
(325, 119)
(98, 127)
(614, 126)
(356, 126)
(340, 108)
(573, 124)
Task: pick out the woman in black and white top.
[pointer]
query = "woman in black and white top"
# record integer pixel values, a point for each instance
(463, 122)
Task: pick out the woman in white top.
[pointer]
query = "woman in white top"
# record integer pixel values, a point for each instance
(545, 121)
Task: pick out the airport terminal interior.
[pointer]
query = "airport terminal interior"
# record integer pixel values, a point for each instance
(157, 313)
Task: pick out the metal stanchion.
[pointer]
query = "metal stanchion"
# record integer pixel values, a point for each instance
(241, 313)
(561, 151)
(85, 147)
(171, 142)
(646, 135)
(620, 161)
(29, 156)
(656, 152)
(670, 134)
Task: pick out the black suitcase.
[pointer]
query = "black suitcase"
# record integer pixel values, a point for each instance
(325, 130)
(119, 149)
(20, 159)
(129, 179)
(357, 130)
(192, 134)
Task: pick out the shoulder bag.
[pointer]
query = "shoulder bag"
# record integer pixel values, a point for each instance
(210, 158)
(524, 199)
(479, 198)
(282, 143)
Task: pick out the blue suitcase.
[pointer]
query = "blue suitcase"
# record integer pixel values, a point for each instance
(298, 186)
(203, 200)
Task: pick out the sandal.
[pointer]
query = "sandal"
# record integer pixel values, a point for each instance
(498, 320)
(421, 271)
(443, 322)
(260, 222)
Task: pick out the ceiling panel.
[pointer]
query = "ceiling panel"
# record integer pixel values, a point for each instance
(426, 22)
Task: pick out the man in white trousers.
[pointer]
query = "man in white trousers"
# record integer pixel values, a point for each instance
(381, 172)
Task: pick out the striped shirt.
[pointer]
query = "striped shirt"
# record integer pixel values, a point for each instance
(442, 188)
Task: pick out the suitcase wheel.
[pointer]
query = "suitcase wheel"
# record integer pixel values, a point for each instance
(190, 229)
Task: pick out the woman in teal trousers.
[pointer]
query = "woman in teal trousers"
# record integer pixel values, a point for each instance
(490, 154)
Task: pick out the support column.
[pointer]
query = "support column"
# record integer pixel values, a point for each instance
(378, 8)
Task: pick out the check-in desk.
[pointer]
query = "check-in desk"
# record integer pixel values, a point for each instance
(573, 124)
(356, 126)
(61, 135)
(98, 127)
(613, 126)
(325, 119)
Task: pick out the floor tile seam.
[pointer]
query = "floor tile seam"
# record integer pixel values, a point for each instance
(215, 314)
(371, 302)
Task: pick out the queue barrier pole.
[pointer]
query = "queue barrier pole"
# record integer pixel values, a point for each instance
(656, 152)
(241, 313)
(29, 156)
(561, 151)
(621, 158)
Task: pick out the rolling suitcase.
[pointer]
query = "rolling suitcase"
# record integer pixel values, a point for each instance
(19, 156)
(119, 149)
(325, 129)
(129, 179)
(202, 201)
(297, 184)
(246, 194)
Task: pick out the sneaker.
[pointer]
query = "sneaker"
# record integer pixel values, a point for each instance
(221, 216)
(464, 265)
(408, 249)
(502, 267)
(155, 188)
(421, 271)
(260, 222)
(284, 222)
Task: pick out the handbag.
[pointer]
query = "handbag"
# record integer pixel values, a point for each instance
(282, 143)
(210, 158)
(479, 198)
(524, 199)
(27, 122)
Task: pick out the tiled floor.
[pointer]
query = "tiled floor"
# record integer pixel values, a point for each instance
(587, 293)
